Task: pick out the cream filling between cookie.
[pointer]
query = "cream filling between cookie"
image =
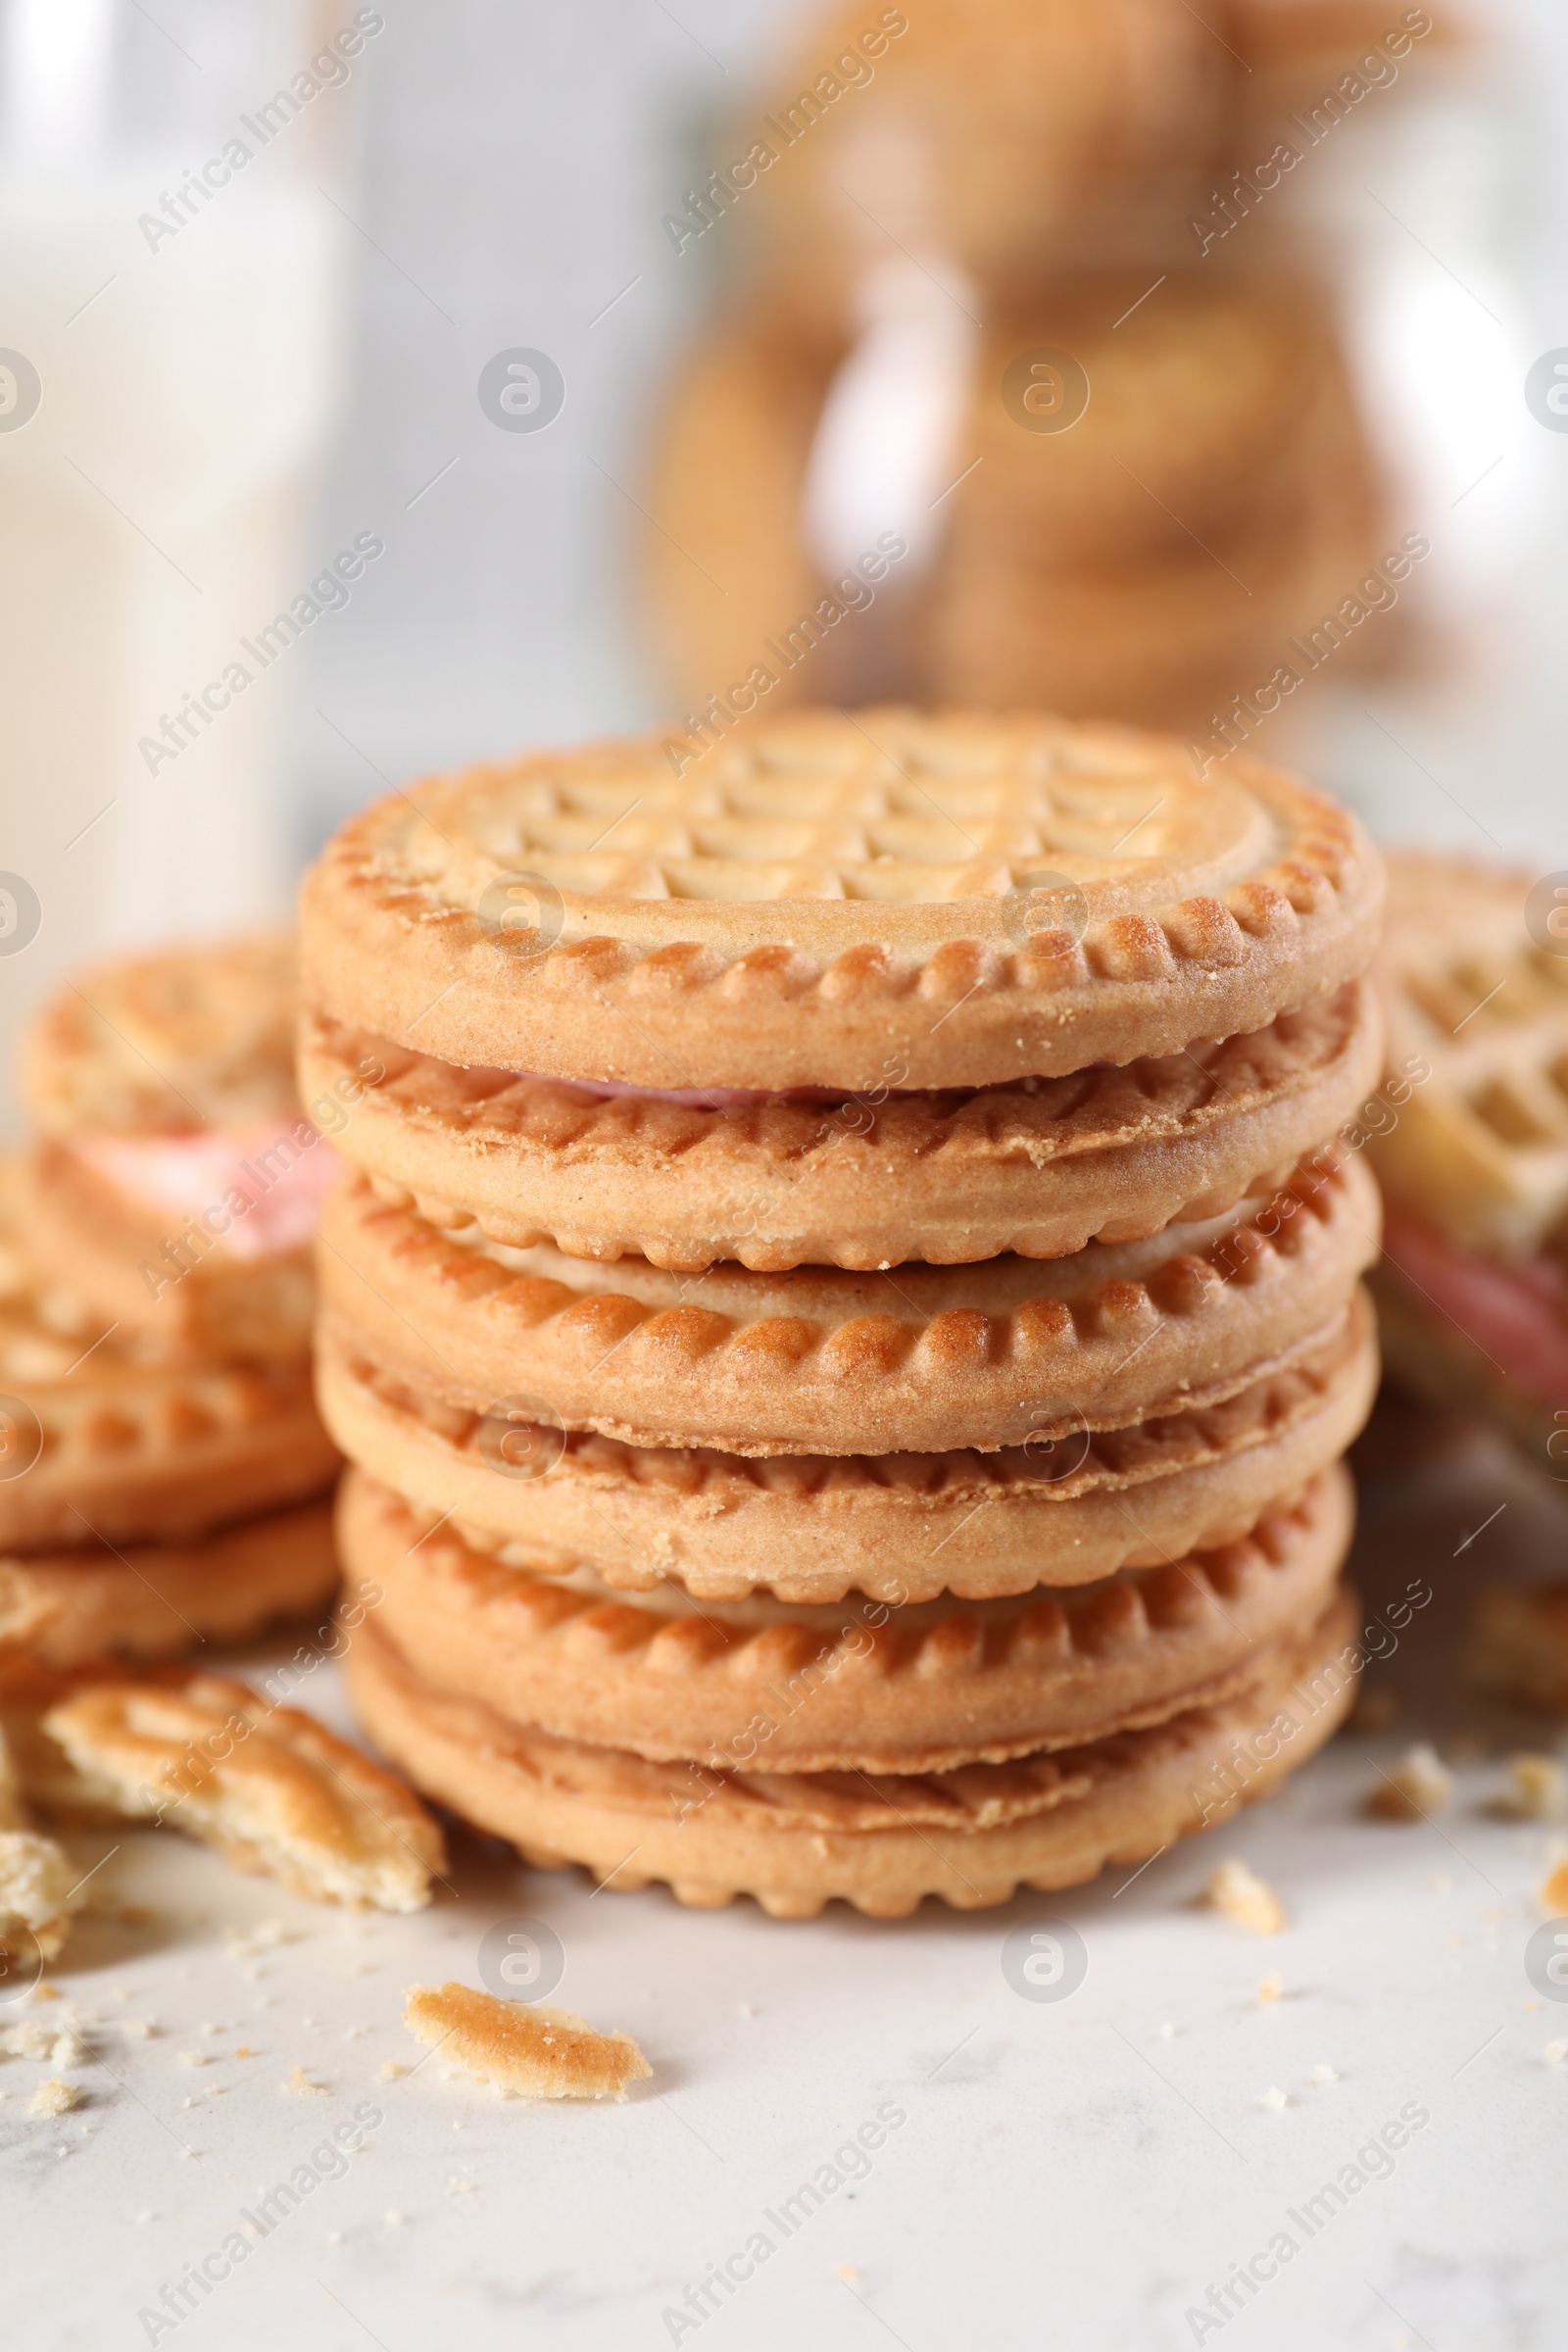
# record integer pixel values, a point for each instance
(256, 1195)
(1518, 1315)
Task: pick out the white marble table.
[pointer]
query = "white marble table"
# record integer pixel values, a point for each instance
(1078, 2173)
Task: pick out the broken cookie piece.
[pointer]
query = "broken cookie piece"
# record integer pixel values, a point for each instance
(267, 1786)
(1247, 1898)
(523, 2046)
(1418, 1785)
(38, 1892)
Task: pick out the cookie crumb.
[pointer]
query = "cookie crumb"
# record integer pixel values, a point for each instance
(299, 2081)
(1419, 1784)
(1269, 1989)
(1555, 1891)
(54, 2097)
(1274, 2097)
(391, 2069)
(1539, 1789)
(1555, 2052)
(1324, 2074)
(522, 2045)
(1245, 1898)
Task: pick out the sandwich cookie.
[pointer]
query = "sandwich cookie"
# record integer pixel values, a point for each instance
(157, 1601)
(980, 899)
(823, 1361)
(899, 1528)
(797, 1841)
(1468, 1135)
(175, 1185)
(855, 1688)
(103, 1439)
(1038, 1167)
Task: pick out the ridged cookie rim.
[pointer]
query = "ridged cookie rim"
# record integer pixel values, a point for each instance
(946, 1179)
(886, 1871)
(874, 1690)
(720, 1530)
(996, 1353)
(157, 1600)
(664, 991)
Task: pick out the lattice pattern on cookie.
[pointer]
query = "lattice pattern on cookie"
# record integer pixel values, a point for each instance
(1477, 1002)
(838, 863)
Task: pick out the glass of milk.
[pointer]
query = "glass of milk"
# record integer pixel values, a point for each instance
(171, 331)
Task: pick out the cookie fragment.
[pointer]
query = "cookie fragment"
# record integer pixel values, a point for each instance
(1245, 1897)
(1419, 1784)
(267, 1786)
(38, 1894)
(522, 2045)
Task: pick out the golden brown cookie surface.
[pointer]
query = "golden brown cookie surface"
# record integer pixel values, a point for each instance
(1040, 1168)
(797, 1841)
(981, 899)
(823, 1361)
(899, 1528)
(925, 1688)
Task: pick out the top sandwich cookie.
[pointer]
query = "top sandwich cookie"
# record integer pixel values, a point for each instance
(972, 898)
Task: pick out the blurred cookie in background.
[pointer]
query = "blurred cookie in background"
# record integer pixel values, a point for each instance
(175, 1181)
(1473, 1153)
(164, 1478)
(1070, 506)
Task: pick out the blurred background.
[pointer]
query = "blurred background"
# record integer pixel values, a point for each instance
(383, 387)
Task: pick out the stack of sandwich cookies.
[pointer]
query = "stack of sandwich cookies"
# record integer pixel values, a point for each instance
(1028, 389)
(167, 1474)
(771, 1539)
(1469, 1139)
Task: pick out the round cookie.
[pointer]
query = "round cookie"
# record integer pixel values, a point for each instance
(900, 1527)
(1474, 1138)
(921, 1689)
(823, 1361)
(826, 890)
(110, 1250)
(1186, 636)
(101, 1437)
(797, 1841)
(159, 1600)
(1038, 1169)
(163, 1042)
(176, 1185)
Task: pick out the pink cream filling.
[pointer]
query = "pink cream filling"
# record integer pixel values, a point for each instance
(256, 1195)
(1518, 1315)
